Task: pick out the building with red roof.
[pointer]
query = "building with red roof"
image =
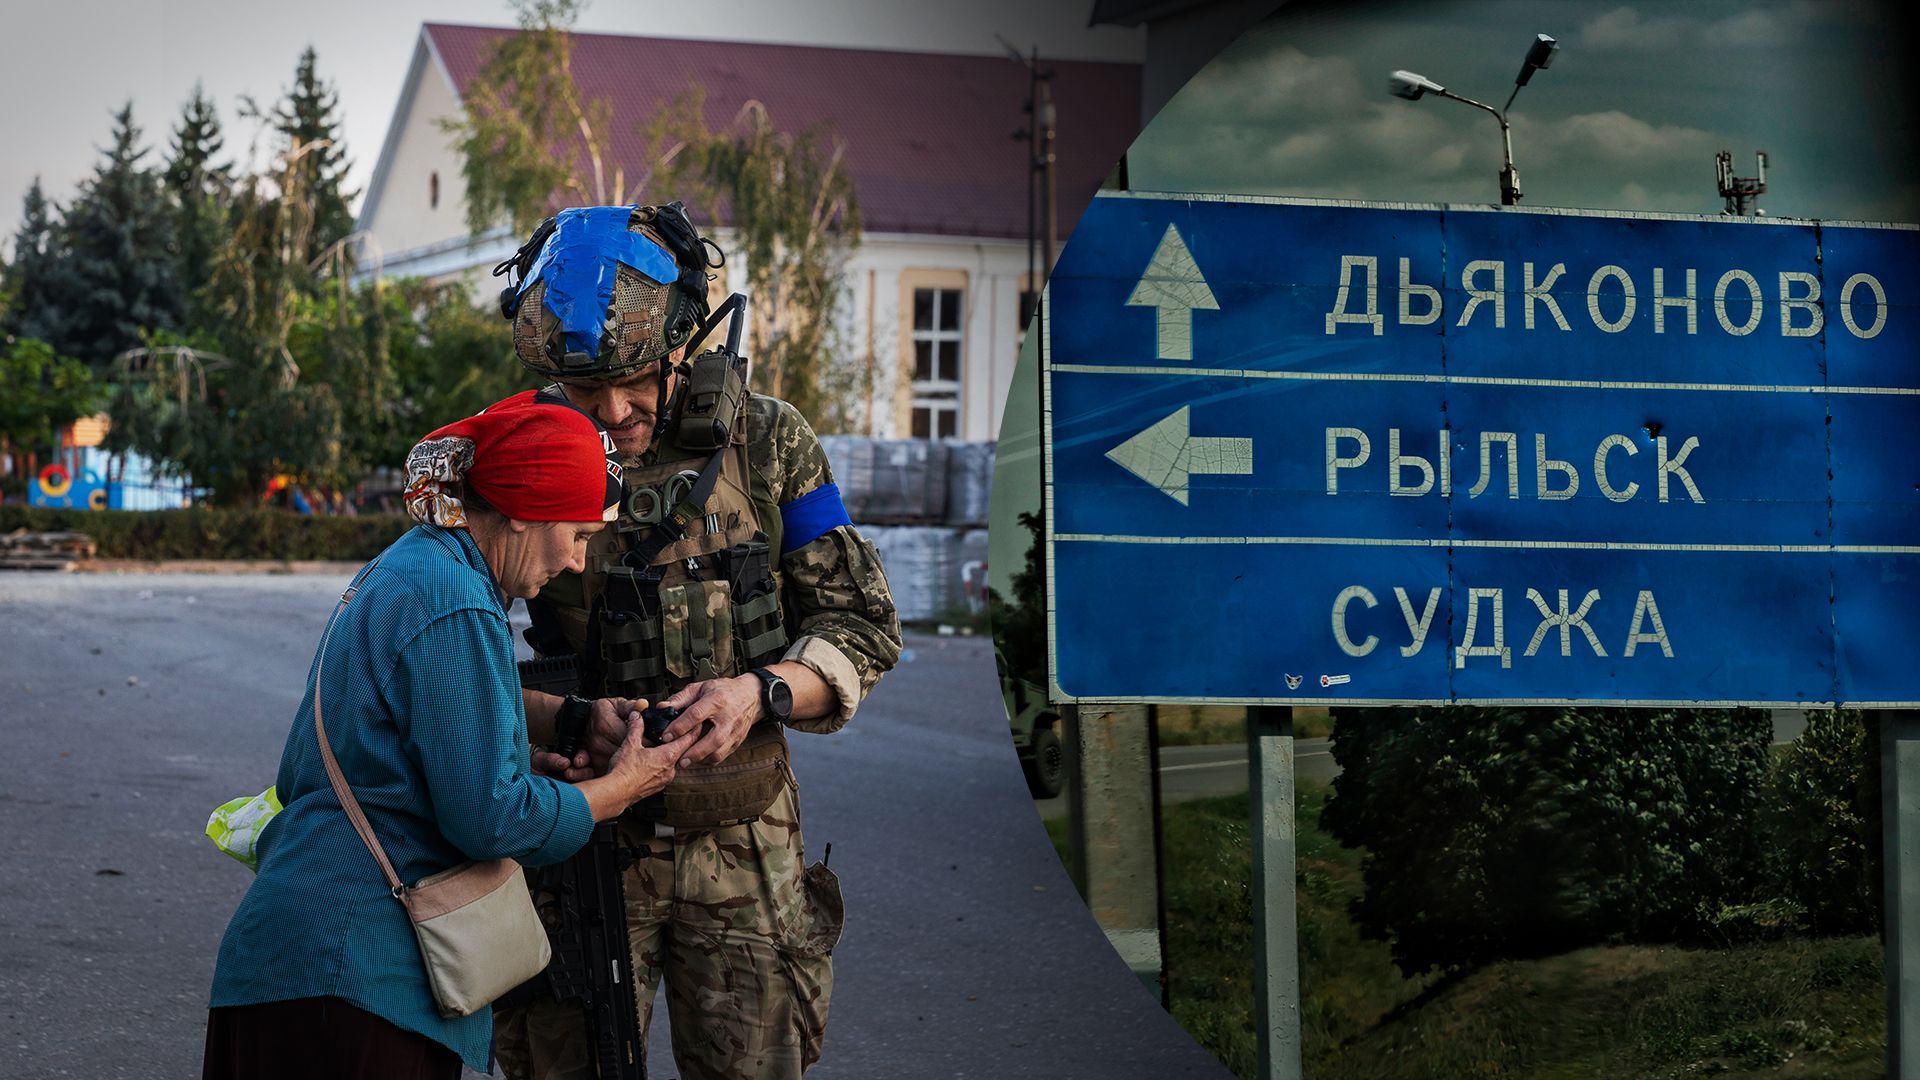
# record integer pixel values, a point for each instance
(933, 293)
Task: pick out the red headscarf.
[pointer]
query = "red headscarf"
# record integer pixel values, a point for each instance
(534, 457)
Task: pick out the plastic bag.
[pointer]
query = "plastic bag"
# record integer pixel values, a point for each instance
(235, 825)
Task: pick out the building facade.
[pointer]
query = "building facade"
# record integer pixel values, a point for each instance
(932, 299)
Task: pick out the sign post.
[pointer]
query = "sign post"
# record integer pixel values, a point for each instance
(1900, 802)
(1276, 938)
(1315, 453)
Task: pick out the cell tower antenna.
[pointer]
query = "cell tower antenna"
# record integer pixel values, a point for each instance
(1740, 192)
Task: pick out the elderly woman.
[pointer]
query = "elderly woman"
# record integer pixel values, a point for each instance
(319, 974)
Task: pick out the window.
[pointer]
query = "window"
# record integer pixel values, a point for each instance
(938, 315)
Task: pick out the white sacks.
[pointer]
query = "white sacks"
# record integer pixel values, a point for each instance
(924, 505)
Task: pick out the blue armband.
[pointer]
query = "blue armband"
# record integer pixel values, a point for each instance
(811, 516)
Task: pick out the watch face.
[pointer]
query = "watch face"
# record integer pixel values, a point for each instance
(779, 696)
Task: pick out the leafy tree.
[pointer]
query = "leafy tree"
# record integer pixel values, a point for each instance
(1020, 627)
(228, 407)
(1493, 833)
(28, 311)
(450, 359)
(199, 189)
(1823, 824)
(306, 117)
(790, 203)
(45, 393)
(116, 274)
(526, 126)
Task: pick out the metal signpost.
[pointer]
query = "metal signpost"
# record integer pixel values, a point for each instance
(1334, 453)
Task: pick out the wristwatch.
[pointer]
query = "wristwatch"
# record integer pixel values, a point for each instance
(776, 697)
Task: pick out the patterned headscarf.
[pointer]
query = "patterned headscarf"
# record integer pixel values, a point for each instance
(534, 457)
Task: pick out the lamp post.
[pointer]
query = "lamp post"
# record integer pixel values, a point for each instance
(1411, 86)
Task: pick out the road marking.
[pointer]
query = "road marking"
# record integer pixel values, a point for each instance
(1238, 763)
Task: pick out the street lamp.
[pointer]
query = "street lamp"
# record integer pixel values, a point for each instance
(1408, 85)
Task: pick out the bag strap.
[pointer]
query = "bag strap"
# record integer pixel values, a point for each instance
(340, 789)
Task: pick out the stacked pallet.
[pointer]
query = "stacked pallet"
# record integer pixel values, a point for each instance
(23, 550)
(924, 505)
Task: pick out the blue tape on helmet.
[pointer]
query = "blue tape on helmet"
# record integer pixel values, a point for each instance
(578, 262)
(811, 516)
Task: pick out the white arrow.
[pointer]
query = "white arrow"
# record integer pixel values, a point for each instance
(1164, 455)
(1173, 285)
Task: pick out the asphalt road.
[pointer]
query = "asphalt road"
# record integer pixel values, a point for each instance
(133, 704)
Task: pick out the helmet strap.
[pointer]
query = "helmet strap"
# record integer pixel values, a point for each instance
(670, 400)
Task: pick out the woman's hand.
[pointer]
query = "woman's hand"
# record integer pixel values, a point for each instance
(606, 729)
(647, 768)
(635, 772)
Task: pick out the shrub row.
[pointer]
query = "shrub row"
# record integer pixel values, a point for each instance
(1511, 833)
(204, 533)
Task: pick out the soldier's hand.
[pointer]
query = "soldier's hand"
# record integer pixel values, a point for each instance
(725, 708)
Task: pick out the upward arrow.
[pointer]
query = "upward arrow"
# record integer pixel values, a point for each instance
(1174, 286)
(1165, 455)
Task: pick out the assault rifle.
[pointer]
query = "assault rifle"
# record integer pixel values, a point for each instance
(584, 909)
(585, 901)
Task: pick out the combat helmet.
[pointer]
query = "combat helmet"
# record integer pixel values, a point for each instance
(599, 292)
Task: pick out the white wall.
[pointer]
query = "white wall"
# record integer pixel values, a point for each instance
(406, 217)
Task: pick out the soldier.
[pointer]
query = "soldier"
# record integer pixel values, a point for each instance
(734, 588)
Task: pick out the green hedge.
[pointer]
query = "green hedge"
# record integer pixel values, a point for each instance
(1496, 833)
(216, 534)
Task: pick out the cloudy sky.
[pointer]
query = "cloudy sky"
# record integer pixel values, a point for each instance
(66, 67)
(1638, 100)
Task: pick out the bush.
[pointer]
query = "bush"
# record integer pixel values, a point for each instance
(201, 533)
(1498, 833)
(1823, 824)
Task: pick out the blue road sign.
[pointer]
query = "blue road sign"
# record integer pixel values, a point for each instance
(1309, 452)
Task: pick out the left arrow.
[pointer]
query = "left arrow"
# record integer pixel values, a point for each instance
(1174, 286)
(1165, 455)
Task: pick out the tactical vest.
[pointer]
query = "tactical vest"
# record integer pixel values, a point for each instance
(705, 606)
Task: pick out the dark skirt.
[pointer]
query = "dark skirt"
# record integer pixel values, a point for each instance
(318, 1038)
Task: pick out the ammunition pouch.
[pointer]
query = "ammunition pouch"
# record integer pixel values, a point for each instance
(736, 790)
(760, 634)
(624, 635)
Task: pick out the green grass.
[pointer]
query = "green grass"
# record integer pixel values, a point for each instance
(1797, 1008)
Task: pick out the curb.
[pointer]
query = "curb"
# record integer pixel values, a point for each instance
(215, 566)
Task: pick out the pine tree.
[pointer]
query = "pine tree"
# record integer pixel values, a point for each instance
(116, 274)
(199, 189)
(27, 313)
(307, 117)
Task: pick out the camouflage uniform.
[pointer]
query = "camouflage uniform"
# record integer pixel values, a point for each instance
(739, 925)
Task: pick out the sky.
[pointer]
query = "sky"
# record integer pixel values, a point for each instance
(66, 67)
(1637, 102)
(1629, 116)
